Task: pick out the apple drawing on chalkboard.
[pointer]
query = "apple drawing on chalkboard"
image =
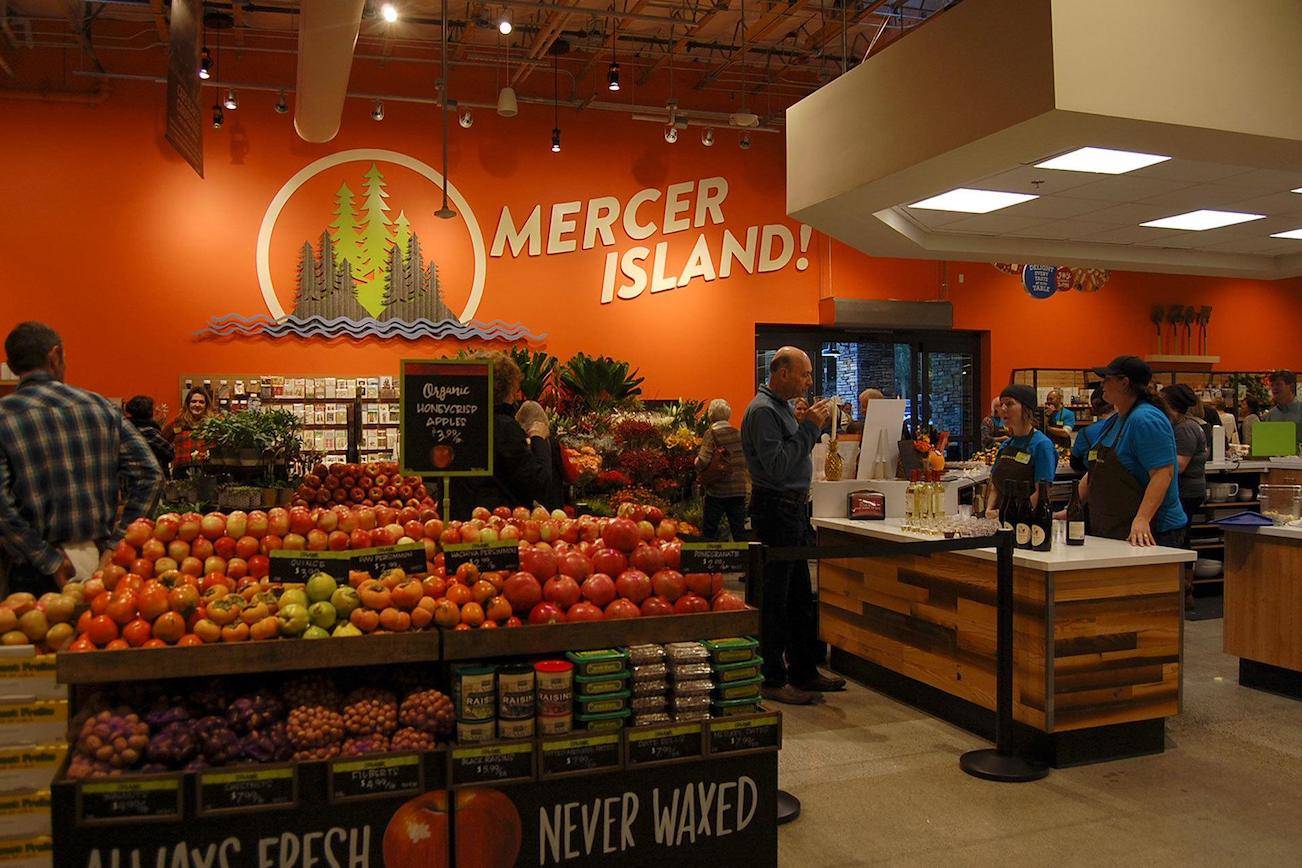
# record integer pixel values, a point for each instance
(442, 456)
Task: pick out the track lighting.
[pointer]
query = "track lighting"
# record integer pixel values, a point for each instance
(671, 134)
(556, 140)
(466, 119)
(281, 105)
(389, 12)
(205, 65)
(232, 101)
(612, 76)
(217, 116)
(507, 106)
(504, 22)
(377, 113)
(707, 137)
(745, 143)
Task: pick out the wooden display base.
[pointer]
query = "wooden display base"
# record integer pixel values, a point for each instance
(1272, 679)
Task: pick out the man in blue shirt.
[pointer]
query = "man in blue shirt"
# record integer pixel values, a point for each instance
(1089, 435)
(1059, 421)
(777, 447)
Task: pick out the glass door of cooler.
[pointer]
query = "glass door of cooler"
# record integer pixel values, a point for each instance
(951, 396)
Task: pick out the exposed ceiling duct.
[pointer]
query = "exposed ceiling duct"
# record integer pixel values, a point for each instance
(327, 35)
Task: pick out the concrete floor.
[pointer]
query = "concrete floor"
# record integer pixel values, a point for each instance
(880, 784)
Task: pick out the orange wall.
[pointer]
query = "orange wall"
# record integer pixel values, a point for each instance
(111, 238)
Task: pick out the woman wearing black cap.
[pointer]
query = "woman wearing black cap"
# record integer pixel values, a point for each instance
(1132, 479)
(1027, 456)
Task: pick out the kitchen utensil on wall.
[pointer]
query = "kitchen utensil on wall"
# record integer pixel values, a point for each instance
(1190, 314)
(1173, 314)
(1204, 319)
(1157, 315)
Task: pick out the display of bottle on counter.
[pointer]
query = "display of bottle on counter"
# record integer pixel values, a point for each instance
(911, 501)
(1075, 518)
(1042, 521)
(1022, 515)
(937, 495)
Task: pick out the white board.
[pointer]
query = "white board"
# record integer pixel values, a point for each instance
(885, 416)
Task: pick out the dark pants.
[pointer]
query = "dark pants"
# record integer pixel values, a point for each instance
(788, 611)
(24, 577)
(1190, 505)
(716, 508)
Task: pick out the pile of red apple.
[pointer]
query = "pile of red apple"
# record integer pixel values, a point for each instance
(375, 483)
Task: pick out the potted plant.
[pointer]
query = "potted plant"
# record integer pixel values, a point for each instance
(251, 438)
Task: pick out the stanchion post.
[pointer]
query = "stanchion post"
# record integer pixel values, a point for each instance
(788, 805)
(1003, 763)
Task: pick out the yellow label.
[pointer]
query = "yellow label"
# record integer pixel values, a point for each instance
(663, 732)
(493, 750)
(31, 757)
(246, 776)
(132, 786)
(44, 711)
(26, 803)
(588, 741)
(42, 665)
(1094, 453)
(13, 850)
(1022, 457)
(392, 762)
(754, 723)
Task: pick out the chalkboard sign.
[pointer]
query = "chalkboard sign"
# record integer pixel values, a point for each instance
(409, 558)
(378, 776)
(492, 763)
(745, 734)
(649, 745)
(491, 558)
(578, 754)
(133, 801)
(246, 789)
(730, 557)
(297, 566)
(446, 417)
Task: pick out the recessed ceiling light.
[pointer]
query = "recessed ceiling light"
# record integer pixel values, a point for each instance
(1197, 221)
(973, 201)
(1103, 161)
(1298, 190)
(1292, 233)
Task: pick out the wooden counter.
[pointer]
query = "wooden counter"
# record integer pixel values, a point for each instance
(1097, 644)
(1263, 607)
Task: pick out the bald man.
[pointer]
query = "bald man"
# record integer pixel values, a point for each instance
(777, 445)
(864, 397)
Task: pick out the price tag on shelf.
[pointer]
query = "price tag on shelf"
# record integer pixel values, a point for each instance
(491, 763)
(134, 801)
(577, 754)
(409, 558)
(247, 790)
(657, 744)
(493, 557)
(297, 566)
(378, 776)
(725, 557)
(745, 734)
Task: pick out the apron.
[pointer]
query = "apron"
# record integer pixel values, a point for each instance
(1012, 465)
(1115, 493)
(1057, 439)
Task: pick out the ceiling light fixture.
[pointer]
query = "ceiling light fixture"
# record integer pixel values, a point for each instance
(466, 119)
(1298, 190)
(612, 76)
(556, 140)
(504, 21)
(281, 105)
(232, 101)
(377, 113)
(217, 116)
(671, 134)
(1292, 233)
(507, 106)
(1101, 161)
(1202, 220)
(744, 144)
(556, 105)
(205, 64)
(707, 137)
(389, 12)
(971, 201)
(444, 85)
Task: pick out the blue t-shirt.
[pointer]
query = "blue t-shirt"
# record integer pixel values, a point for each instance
(1147, 443)
(1064, 418)
(1085, 440)
(1044, 458)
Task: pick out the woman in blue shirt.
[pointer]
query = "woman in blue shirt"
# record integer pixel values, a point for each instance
(1027, 456)
(1132, 480)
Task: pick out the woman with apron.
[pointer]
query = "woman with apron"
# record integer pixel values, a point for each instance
(1132, 491)
(1027, 456)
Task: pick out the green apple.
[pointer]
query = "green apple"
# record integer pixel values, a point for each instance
(346, 629)
(293, 597)
(322, 614)
(315, 632)
(344, 600)
(320, 587)
(293, 619)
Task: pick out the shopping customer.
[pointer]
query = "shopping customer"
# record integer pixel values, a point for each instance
(777, 449)
(1027, 456)
(721, 468)
(532, 416)
(1059, 420)
(140, 412)
(1249, 415)
(522, 460)
(1191, 461)
(1288, 407)
(65, 455)
(1133, 493)
(180, 431)
(993, 430)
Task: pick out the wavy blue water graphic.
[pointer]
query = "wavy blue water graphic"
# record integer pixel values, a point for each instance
(317, 326)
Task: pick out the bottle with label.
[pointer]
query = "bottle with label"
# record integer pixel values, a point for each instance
(911, 501)
(1075, 518)
(937, 495)
(1022, 513)
(1042, 521)
(1006, 497)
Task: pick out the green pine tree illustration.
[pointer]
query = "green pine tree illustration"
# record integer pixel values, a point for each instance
(401, 232)
(343, 231)
(375, 242)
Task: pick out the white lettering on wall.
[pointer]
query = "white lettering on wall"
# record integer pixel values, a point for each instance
(530, 233)
(559, 226)
(633, 229)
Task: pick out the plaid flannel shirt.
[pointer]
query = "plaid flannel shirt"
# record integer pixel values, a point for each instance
(65, 455)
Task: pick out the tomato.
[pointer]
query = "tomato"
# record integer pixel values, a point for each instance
(83, 622)
(103, 630)
(81, 643)
(183, 599)
(169, 627)
(153, 603)
(137, 632)
(122, 607)
(189, 639)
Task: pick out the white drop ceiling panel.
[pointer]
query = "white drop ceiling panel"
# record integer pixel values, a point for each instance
(1023, 180)
(1061, 207)
(1131, 235)
(1129, 214)
(1193, 171)
(1267, 245)
(991, 224)
(1120, 188)
(1272, 203)
(1062, 229)
(929, 219)
(1198, 196)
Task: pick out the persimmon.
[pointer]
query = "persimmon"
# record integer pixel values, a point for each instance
(189, 640)
(208, 631)
(266, 628)
(472, 613)
(488, 625)
(395, 620)
(252, 613)
(83, 622)
(497, 609)
(483, 591)
(463, 626)
(169, 627)
(235, 632)
(118, 644)
(154, 643)
(225, 610)
(447, 614)
(81, 643)
(375, 595)
(467, 574)
(422, 617)
(183, 599)
(365, 620)
(407, 594)
(137, 632)
(213, 594)
(122, 607)
(102, 630)
(434, 586)
(459, 594)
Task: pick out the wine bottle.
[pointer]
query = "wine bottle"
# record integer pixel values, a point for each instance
(1042, 521)
(937, 495)
(1006, 497)
(1022, 516)
(1075, 518)
(911, 500)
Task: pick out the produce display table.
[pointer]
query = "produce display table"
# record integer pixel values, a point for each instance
(1097, 647)
(699, 793)
(1263, 606)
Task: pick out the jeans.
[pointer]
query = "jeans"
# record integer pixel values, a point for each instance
(716, 508)
(788, 611)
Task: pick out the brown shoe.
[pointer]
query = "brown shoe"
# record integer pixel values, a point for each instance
(788, 695)
(822, 684)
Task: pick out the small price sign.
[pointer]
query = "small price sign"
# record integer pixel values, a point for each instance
(410, 558)
(658, 744)
(493, 557)
(247, 789)
(745, 734)
(154, 799)
(578, 754)
(379, 776)
(297, 566)
(491, 763)
(729, 557)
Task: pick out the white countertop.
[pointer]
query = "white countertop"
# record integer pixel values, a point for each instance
(1268, 530)
(1256, 465)
(1097, 553)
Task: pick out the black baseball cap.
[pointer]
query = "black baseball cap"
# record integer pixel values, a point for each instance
(1022, 394)
(1133, 368)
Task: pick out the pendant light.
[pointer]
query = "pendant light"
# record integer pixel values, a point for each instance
(556, 105)
(205, 64)
(612, 74)
(743, 118)
(506, 103)
(444, 213)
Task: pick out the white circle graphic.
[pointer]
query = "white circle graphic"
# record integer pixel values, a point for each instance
(357, 155)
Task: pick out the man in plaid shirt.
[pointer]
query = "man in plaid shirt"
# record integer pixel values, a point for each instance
(65, 456)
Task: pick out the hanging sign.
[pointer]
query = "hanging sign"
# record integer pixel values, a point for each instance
(446, 426)
(184, 116)
(1041, 281)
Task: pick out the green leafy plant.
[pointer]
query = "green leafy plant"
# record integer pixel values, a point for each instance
(537, 369)
(273, 432)
(1250, 386)
(600, 381)
(688, 413)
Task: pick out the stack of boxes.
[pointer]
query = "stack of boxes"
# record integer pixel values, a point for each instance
(735, 668)
(601, 689)
(691, 680)
(650, 701)
(33, 744)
